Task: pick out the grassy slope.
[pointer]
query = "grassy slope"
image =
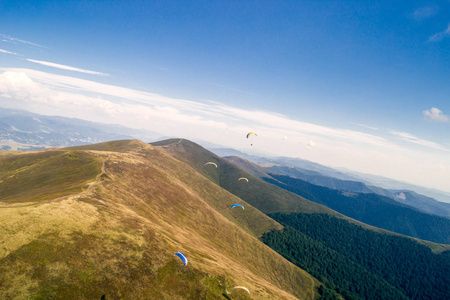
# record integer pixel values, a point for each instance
(266, 197)
(37, 176)
(119, 238)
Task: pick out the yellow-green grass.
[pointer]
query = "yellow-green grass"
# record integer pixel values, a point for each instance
(119, 239)
(120, 146)
(43, 175)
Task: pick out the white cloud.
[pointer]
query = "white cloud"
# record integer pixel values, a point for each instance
(64, 67)
(7, 52)
(424, 12)
(67, 101)
(6, 38)
(435, 115)
(440, 35)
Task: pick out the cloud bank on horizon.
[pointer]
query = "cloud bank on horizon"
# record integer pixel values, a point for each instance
(390, 153)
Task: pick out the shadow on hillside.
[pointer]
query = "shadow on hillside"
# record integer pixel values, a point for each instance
(226, 296)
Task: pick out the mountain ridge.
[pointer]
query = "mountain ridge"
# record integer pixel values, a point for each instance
(117, 234)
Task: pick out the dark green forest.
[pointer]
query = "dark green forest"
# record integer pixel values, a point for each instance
(359, 263)
(372, 209)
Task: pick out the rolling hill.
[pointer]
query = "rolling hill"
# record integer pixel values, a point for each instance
(106, 219)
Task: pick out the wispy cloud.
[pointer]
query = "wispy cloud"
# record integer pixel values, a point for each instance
(367, 126)
(7, 52)
(425, 12)
(440, 35)
(435, 115)
(64, 67)
(413, 139)
(7, 38)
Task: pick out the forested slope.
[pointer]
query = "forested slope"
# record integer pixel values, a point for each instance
(372, 209)
(361, 263)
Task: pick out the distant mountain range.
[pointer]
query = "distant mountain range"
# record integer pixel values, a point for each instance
(22, 130)
(407, 197)
(286, 161)
(327, 177)
(388, 183)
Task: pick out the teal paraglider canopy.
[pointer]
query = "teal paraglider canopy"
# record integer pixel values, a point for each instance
(235, 205)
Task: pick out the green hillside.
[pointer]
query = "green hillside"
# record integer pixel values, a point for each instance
(115, 228)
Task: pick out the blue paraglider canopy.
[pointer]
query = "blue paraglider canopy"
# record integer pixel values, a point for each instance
(183, 257)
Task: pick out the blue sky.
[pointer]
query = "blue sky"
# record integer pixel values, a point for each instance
(357, 84)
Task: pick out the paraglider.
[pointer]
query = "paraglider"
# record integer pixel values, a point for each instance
(182, 257)
(234, 205)
(249, 134)
(243, 178)
(211, 163)
(240, 287)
